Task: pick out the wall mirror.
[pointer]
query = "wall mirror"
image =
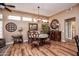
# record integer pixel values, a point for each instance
(54, 24)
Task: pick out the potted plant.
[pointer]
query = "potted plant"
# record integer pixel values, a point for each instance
(45, 28)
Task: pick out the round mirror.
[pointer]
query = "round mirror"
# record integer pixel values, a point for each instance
(54, 24)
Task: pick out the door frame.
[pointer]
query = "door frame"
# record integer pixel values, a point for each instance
(68, 19)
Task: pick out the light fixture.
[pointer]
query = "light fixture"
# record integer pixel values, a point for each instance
(38, 19)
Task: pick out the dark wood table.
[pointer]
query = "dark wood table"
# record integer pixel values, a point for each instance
(42, 38)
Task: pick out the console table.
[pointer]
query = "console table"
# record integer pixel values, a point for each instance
(17, 39)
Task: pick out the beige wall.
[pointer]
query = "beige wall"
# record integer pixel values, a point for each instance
(7, 35)
(60, 16)
(66, 15)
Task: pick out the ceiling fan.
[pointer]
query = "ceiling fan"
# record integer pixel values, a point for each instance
(7, 7)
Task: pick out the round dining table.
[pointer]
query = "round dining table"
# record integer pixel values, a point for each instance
(42, 38)
(43, 35)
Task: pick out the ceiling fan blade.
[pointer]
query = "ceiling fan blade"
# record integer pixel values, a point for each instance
(3, 4)
(8, 9)
(10, 6)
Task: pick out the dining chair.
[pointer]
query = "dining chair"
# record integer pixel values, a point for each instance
(77, 43)
(33, 38)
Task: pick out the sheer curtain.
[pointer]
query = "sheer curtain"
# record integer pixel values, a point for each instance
(1, 31)
(1, 25)
(68, 30)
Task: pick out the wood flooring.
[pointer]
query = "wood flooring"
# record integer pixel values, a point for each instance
(54, 49)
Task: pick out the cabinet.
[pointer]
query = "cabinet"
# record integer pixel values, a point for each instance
(55, 35)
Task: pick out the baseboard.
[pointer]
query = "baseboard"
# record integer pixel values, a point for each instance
(12, 42)
(63, 40)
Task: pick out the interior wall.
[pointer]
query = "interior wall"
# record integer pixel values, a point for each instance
(25, 27)
(60, 16)
(7, 35)
(66, 14)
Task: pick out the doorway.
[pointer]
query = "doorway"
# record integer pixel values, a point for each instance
(70, 28)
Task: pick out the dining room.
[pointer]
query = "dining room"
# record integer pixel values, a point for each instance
(38, 29)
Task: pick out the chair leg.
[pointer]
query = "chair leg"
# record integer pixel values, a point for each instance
(77, 53)
(34, 45)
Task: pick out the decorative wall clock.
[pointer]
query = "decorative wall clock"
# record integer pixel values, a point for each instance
(11, 27)
(54, 24)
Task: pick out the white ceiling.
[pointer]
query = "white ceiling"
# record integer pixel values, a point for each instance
(46, 9)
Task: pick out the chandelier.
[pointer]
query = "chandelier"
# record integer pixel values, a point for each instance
(38, 18)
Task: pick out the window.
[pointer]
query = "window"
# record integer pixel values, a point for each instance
(38, 19)
(35, 20)
(1, 16)
(26, 19)
(10, 17)
(45, 21)
(1, 31)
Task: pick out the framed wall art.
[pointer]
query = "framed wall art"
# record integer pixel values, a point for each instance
(33, 26)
